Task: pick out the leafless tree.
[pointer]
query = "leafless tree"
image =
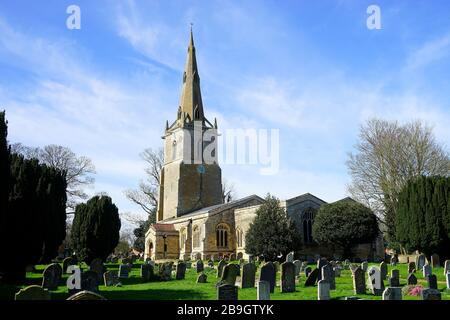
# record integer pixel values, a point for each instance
(228, 191)
(387, 156)
(79, 169)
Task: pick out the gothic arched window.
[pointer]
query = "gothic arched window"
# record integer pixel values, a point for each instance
(222, 231)
(307, 222)
(239, 238)
(196, 237)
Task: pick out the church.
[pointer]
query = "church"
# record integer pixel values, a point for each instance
(193, 222)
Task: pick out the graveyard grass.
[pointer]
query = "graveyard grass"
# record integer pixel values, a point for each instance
(134, 289)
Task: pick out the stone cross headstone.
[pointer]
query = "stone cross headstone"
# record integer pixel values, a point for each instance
(312, 278)
(267, 273)
(290, 257)
(435, 261)
(287, 283)
(181, 271)
(376, 285)
(307, 271)
(263, 290)
(323, 290)
(97, 267)
(364, 266)
(412, 279)
(298, 267)
(51, 276)
(165, 271)
(431, 281)
(359, 281)
(147, 272)
(427, 270)
(394, 279)
(33, 292)
(328, 276)
(227, 292)
(199, 265)
(320, 263)
(421, 260)
(392, 293)
(411, 266)
(248, 275)
(383, 270)
(220, 266)
(124, 270)
(202, 278)
(431, 294)
(229, 274)
(111, 278)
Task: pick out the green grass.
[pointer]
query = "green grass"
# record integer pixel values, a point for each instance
(134, 289)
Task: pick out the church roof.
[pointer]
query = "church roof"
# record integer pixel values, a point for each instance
(305, 196)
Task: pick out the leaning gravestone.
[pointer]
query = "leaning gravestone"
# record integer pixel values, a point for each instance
(421, 261)
(431, 294)
(320, 263)
(431, 281)
(199, 265)
(124, 270)
(89, 281)
(147, 272)
(263, 290)
(328, 276)
(86, 295)
(411, 266)
(248, 275)
(287, 283)
(229, 274)
(412, 279)
(307, 271)
(202, 278)
(376, 285)
(69, 261)
(359, 281)
(51, 276)
(267, 273)
(298, 267)
(312, 278)
(427, 270)
(290, 257)
(392, 294)
(111, 278)
(435, 261)
(323, 290)
(394, 279)
(227, 292)
(32, 293)
(97, 267)
(383, 270)
(181, 271)
(165, 271)
(220, 267)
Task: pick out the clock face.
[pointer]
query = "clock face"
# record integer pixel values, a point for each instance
(201, 169)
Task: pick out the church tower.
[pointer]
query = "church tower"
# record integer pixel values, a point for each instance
(190, 177)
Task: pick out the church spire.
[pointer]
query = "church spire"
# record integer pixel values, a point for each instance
(191, 104)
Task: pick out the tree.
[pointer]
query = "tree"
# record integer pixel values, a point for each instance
(228, 191)
(95, 228)
(387, 156)
(79, 169)
(422, 221)
(345, 224)
(272, 232)
(139, 233)
(5, 186)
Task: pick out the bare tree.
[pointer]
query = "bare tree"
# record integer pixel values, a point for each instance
(387, 156)
(228, 191)
(79, 169)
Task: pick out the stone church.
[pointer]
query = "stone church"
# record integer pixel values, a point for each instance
(193, 222)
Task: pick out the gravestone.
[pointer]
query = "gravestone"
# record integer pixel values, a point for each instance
(307, 271)
(435, 261)
(181, 271)
(394, 260)
(323, 290)
(124, 270)
(298, 267)
(376, 285)
(337, 271)
(267, 273)
(233, 257)
(304, 265)
(364, 266)
(248, 275)
(68, 262)
(32, 293)
(431, 294)
(392, 294)
(202, 278)
(447, 280)
(111, 278)
(412, 279)
(421, 260)
(383, 270)
(51, 276)
(359, 281)
(86, 295)
(287, 282)
(114, 260)
(97, 267)
(227, 292)
(446, 267)
(199, 265)
(312, 278)
(276, 264)
(147, 272)
(210, 263)
(320, 263)
(220, 267)
(411, 267)
(427, 270)
(290, 257)
(263, 290)
(89, 281)
(229, 274)
(328, 276)
(165, 271)
(431, 281)
(394, 279)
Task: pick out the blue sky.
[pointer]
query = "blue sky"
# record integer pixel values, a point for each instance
(313, 70)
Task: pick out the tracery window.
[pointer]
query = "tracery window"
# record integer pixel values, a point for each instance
(222, 231)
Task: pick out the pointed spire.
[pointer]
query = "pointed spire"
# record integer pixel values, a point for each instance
(191, 97)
